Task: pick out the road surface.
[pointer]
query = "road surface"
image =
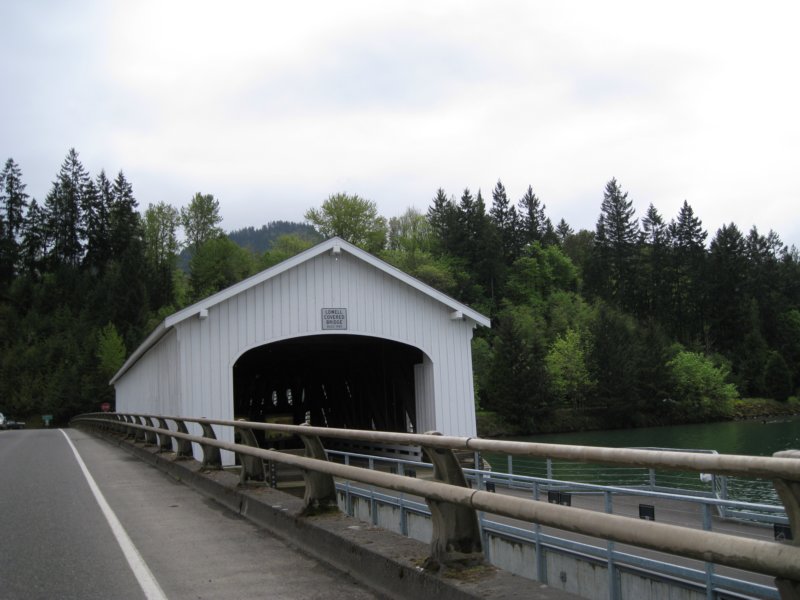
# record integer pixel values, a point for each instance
(154, 539)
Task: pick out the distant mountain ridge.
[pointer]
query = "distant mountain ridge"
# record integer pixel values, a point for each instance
(260, 240)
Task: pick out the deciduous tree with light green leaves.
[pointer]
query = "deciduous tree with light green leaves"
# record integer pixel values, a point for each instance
(161, 248)
(352, 218)
(201, 220)
(567, 372)
(700, 386)
(217, 264)
(110, 351)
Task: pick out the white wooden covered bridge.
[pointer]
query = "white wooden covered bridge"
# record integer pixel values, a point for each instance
(333, 334)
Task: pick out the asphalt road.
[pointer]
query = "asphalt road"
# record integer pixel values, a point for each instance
(56, 541)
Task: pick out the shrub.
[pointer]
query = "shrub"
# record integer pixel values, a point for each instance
(700, 387)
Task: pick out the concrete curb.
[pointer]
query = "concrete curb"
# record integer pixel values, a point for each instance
(382, 560)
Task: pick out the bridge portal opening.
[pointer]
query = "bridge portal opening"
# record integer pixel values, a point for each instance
(345, 381)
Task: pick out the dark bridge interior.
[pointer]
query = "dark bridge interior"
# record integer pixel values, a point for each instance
(346, 381)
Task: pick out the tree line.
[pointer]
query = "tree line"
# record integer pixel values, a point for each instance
(639, 321)
(85, 276)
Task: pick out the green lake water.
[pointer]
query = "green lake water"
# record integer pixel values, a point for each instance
(754, 437)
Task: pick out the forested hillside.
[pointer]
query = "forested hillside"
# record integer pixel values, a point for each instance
(262, 238)
(642, 320)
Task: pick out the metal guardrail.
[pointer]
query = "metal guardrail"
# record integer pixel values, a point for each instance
(715, 584)
(454, 506)
(718, 586)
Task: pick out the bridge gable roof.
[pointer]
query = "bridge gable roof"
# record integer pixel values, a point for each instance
(335, 245)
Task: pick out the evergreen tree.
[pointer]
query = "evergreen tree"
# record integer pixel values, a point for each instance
(615, 241)
(34, 239)
(13, 201)
(653, 256)
(479, 248)
(63, 210)
(654, 230)
(124, 220)
(535, 226)
(777, 378)
(443, 219)
(518, 380)
(687, 275)
(751, 356)
(728, 304)
(96, 225)
(614, 364)
(563, 231)
(764, 279)
(504, 217)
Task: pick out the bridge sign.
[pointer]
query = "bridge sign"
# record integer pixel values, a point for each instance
(334, 318)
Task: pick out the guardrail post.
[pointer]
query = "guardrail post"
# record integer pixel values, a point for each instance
(320, 488)
(138, 435)
(150, 437)
(164, 440)
(789, 493)
(184, 446)
(211, 455)
(117, 426)
(456, 533)
(252, 467)
(109, 423)
(130, 432)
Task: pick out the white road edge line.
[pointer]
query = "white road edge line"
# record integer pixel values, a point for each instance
(141, 571)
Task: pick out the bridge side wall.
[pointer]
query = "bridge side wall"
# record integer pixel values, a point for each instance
(153, 384)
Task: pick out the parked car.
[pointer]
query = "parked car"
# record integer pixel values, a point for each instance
(14, 424)
(6, 423)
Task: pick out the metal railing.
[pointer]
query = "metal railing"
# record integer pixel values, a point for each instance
(722, 487)
(454, 506)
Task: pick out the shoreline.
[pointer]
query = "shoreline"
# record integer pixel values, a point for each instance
(491, 425)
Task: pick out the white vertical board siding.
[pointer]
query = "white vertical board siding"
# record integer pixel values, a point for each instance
(153, 384)
(193, 363)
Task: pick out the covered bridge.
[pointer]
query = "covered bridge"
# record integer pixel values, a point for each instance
(333, 335)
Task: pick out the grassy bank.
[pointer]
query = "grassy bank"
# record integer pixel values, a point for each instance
(491, 425)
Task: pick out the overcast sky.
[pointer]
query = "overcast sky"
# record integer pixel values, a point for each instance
(273, 106)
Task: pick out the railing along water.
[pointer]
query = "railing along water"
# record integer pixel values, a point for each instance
(454, 506)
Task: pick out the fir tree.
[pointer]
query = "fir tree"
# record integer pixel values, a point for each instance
(443, 217)
(652, 263)
(96, 225)
(13, 201)
(63, 210)
(615, 241)
(563, 231)
(535, 226)
(687, 274)
(728, 304)
(504, 217)
(34, 239)
(124, 221)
